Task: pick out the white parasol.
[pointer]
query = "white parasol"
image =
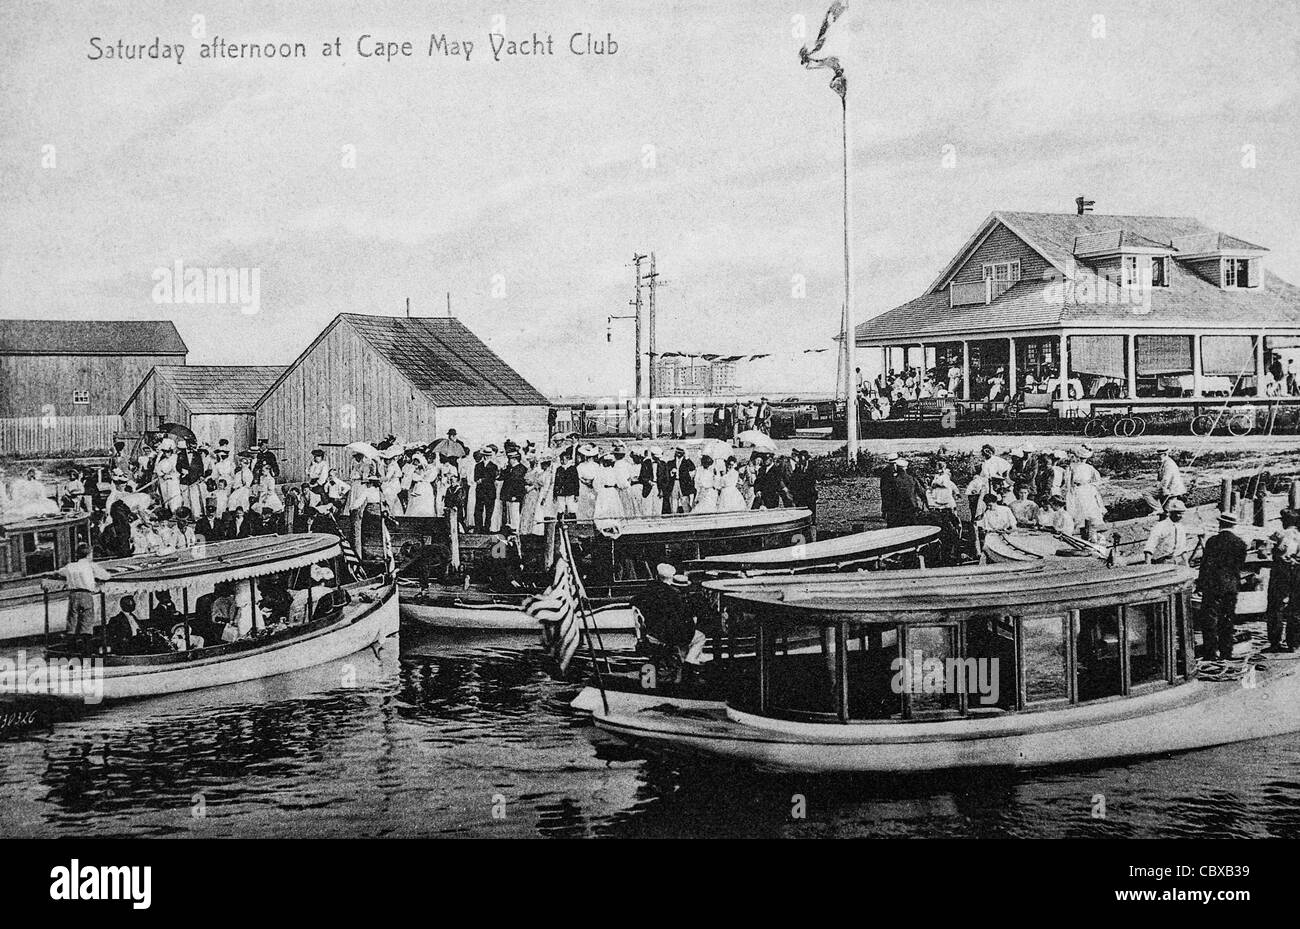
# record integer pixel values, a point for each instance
(364, 448)
(760, 440)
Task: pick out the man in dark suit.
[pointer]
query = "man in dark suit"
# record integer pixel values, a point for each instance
(677, 482)
(209, 526)
(240, 525)
(1218, 582)
(770, 488)
(124, 633)
(902, 498)
(266, 460)
(485, 490)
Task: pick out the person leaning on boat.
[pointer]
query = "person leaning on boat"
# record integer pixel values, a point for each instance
(1218, 582)
(82, 576)
(667, 626)
(1168, 539)
(1283, 610)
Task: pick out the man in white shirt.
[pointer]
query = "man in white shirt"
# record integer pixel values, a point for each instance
(1168, 539)
(319, 469)
(81, 576)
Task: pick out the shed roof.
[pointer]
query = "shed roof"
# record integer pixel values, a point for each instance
(90, 337)
(216, 388)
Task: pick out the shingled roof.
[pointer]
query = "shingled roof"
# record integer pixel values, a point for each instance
(216, 388)
(90, 337)
(1039, 304)
(442, 359)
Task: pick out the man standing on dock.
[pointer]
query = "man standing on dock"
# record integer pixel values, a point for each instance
(1218, 582)
(1283, 580)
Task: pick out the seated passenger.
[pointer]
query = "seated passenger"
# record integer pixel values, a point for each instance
(1056, 517)
(1025, 510)
(125, 634)
(997, 517)
(225, 614)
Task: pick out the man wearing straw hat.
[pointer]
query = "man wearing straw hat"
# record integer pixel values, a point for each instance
(1218, 582)
(1168, 539)
(1283, 610)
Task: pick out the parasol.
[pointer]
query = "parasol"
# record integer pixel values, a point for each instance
(760, 440)
(176, 430)
(450, 448)
(363, 448)
(717, 449)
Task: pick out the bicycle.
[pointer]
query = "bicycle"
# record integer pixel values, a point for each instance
(1127, 427)
(1238, 424)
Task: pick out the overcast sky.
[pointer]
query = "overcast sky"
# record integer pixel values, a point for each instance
(533, 174)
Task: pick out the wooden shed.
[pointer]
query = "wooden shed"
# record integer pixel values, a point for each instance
(214, 401)
(365, 377)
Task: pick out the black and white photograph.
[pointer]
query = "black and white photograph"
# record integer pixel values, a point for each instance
(498, 419)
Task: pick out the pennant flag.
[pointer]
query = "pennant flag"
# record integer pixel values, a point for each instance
(756, 357)
(556, 608)
(813, 350)
(351, 558)
(839, 83)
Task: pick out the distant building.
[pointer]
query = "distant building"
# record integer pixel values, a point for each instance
(368, 376)
(62, 383)
(80, 368)
(1159, 308)
(214, 401)
(678, 375)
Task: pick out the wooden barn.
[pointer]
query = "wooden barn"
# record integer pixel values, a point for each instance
(214, 401)
(63, 382)
(368, 376)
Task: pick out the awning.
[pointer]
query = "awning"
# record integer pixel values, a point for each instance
(238, 559)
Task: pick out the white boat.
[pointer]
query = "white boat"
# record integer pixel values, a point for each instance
(322, 624)
(1071, 662)
(28, 548)
(617, 559)
(856, 550)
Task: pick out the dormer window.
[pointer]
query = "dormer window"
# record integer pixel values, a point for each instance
(1160, 271)
(1240, 272)
(1003, 274)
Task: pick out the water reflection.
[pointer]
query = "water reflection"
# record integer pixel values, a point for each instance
(467, 736)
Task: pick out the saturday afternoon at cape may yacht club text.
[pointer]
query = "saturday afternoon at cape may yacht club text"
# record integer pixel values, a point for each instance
(498, 46)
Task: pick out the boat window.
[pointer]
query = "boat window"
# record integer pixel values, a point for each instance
(871, 653)
(1146, 624)
(801, 668)
(38, 551)
(1180, 635)
(928, 676)
(1045, 652)
(991, 678)
(6, 566)
(1100, 671)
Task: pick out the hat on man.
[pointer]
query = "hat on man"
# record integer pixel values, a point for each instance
(589, 450)
(1084, 451)
(891, 457)
(668, 574)
(1174, 505)
(1018, 452)
(1227, 519)
(656, 452)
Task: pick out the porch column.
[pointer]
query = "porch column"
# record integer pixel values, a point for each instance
(1130, 364)
(1196, 365)
(1012, 385)
(1259, 366)
(1065, 369)
(924, 367)
(965, 370)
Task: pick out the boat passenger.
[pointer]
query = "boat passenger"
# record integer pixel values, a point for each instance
(1056, 517)
(997, 517)
(942, 500)
(666, 625)
(1168, 539)
(125, 635)
(1218, 583)
(1025, 510)
(1283, 610)
(225, 616)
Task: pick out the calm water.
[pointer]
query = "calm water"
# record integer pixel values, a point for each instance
(472, 737)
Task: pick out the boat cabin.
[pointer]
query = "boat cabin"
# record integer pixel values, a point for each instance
(953, 643)
(29, 547)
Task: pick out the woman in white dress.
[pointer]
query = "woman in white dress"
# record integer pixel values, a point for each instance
(29, 498)
(168, 477)
(241, 486)
(1083, 494)
(546, 497)
(730, 499)
(706, 487)
(588, 471)
(533, 482)
(609, 502)
(392, 486)
(421, 499)
(266, 492)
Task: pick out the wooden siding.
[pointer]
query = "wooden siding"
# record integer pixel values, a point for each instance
(1002, 244)
(479, 425)
(341, 391)
(239, 428)
(42, 385)
(155, 403)
(1209, 268)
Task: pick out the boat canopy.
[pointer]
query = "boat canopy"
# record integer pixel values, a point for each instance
(38, 523)
(859, 546)
(234, 560)
(948, 593)
(704, 523)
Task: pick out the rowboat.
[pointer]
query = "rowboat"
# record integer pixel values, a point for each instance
(1061, 663)
(857, 550)
(616, 559)
(29, 548)
(1031, 545)
(321, 623)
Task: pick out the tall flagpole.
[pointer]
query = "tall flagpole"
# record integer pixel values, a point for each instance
(850, 330)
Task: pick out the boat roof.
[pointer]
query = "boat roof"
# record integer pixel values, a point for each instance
(233, 560)
(36, 523)
(953, 593)
(856, 546)
(702, 522)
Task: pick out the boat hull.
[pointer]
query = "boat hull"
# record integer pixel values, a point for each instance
(439, 613)
(22, 613)
(1196, 715)
(361, 629)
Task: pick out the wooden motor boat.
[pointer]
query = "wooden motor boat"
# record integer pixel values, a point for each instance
(322, 624)
(1060, 663)
(29, 548)
(617, 559)
(1033, 545)
(857, 550)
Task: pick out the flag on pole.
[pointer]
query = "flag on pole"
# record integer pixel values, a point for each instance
(839, 83)
(351, 558)
(556, 608)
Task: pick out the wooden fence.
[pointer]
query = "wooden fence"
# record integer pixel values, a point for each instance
(50, 436)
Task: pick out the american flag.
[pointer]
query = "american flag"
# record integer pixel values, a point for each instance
(556, 608)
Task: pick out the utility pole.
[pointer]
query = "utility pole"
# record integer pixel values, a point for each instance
(449, 316)
(653, 279)
(636, 271)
